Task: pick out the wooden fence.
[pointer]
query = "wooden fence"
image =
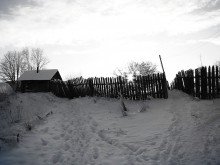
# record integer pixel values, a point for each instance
(140, 89)
(203, 82)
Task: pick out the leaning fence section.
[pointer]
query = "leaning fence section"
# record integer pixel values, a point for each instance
(203, 82)
(141, 88)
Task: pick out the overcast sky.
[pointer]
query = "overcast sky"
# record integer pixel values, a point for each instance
(94, 37)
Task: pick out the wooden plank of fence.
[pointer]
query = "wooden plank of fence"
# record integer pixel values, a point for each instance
(209, 83)
(188, 82)
(98, 81)
(197, 83)
(107, 87)
(123, 86)
(115, 88)
(164, 92)
(160, 89)
(95, 86)
(110, 86)
(128, 90)
(217, 82)
(118, 86)
(213, 81)
(100, 86)
(203, 82)
(143, 88)
(148, 86)
(104, 87)
(133, 91)
(138, 89)
(91, 86)
(183, 81)
(156, 86)
(151, 86)
(192, 82)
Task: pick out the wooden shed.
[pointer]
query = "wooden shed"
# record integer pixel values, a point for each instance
(38, 80)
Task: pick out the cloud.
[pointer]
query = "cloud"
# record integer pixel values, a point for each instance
(8, 7)
(207, 6)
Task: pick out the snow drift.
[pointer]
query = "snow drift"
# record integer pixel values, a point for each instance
(178, 130)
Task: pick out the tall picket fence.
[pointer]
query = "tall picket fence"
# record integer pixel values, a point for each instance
(140, 89)
(203, 82)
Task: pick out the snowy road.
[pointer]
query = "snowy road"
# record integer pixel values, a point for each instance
(86, 131)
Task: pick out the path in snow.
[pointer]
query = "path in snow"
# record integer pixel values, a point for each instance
(189, 141)
(91, 131)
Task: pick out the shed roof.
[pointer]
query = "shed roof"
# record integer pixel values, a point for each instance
(41, 75)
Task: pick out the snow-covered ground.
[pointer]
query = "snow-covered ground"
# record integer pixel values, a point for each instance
(92, 131)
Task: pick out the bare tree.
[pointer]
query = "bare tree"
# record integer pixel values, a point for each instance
(135, 68)
(20, 64)
(14, 63)
(143, 68)
(120, 72)
(27, 59)
(8, 67)
(217, 63)
(37, 58)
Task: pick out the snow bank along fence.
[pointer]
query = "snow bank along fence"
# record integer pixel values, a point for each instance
(203, 82)
(139, 89)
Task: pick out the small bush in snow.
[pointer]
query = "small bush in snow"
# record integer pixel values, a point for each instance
(14, 115)
(6, 88)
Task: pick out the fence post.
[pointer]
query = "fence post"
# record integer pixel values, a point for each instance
(165, 87)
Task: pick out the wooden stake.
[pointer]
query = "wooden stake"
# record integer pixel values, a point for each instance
(161, 64)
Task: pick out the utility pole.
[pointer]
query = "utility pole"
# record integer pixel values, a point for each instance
(164, 80)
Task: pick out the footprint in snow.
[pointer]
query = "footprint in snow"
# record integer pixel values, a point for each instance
(56, 137)
(95, 153)
(70, 131)
(67, 137)
(44, 142)
(66, 147)
(45, 130)
(56, 157)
